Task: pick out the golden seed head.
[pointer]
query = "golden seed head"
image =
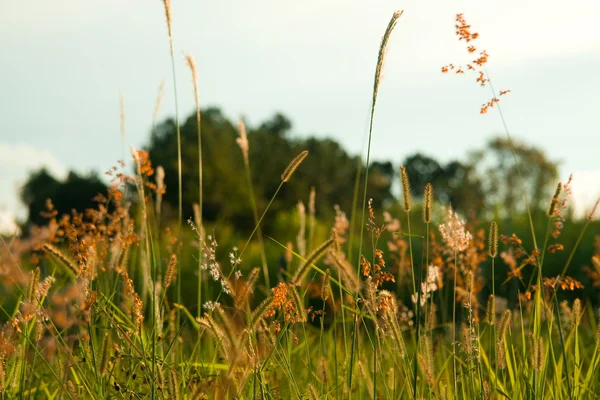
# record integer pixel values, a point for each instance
(427, 202)
(381, 56)
(311, 392)
(167, 4)
(260, 311)
(554, 202)
(326, 288)
(174, 385)
(293, 165)
(577, 312)
(540, 354)
(298, 302)
(493, 240)
(532, 349)
(504, 325)
(500, 355)
(405, 187)
(171, 273)
(310, 259)
(487, 392)
(469, 281)
(192, 66)
(60, 256)
(33, 283)
(466, 334)
(490, 312)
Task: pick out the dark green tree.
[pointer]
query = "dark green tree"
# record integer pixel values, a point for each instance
(328, 168)
(456, 183)
(74, 193)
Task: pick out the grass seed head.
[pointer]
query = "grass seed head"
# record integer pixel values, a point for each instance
(293, 165)
(385, 40)
(577, 312)
(326, 287)
(493, 240)
(171, 273)
(405, 188)
(554, 202)
(242, 141)
(490, 311)
(427, 202)
(168, 15)
(504, 325)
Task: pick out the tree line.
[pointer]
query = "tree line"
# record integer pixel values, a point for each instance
(484, 183)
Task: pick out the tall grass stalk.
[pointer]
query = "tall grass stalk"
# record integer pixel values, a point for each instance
(192, 65)
(168, 15)
(285, 177)
(454, 357)
(244, 146)
(376, 82)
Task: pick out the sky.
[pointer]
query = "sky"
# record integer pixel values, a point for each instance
(66, 63)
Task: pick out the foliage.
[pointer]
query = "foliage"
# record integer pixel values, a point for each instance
(74, 193)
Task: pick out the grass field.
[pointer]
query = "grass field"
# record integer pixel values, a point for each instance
(96, 306)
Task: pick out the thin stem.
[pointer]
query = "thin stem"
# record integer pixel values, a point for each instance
(261, 218)
(562, 343)
(454, 324)
(493, 325)
(263, 256)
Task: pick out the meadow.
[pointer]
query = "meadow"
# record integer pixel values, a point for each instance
(407, 302)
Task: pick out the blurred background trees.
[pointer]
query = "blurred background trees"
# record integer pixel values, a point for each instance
(74, 193)
(483, 185)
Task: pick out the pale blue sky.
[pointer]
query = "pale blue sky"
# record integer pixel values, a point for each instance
(64, 64)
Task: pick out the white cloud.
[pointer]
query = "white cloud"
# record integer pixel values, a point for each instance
(25, 158)
(8, 225)
(586, 192)
(16, 162)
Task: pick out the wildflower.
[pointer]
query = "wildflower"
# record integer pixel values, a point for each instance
(391, 224)
(341, 224)
(565, 283)
(429, 286)
(555, 247)
(233, 258)
(453, 231)
(211, 305)
(463, 31)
